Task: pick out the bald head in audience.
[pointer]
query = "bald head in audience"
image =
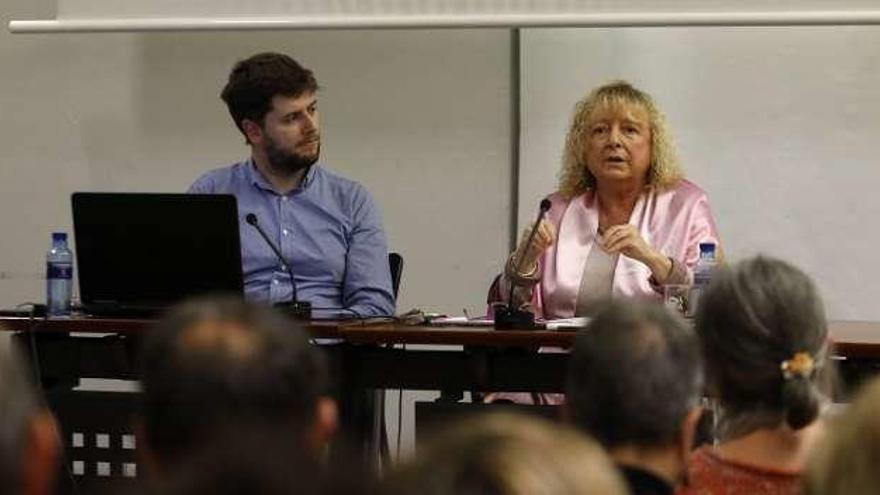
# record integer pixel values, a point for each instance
(215, 365)
(505, 454)
(30, 447)
(635, 381)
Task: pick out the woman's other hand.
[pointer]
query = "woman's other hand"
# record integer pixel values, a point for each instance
(626, 240)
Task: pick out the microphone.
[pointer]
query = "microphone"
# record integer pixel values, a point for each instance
(300, 310)
(509, 317)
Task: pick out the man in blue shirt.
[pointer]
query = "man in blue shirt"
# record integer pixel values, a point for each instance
(327, 227)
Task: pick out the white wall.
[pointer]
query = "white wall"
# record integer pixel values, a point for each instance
(172, 8)
(422, 118)
(779, 125)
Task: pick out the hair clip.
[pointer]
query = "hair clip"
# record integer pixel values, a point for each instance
(801, 364)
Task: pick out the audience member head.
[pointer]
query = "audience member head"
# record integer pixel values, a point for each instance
(764, 337)
(848, 458)
(503, 454)
(634, 383)
(256, 460)
(255, 81)
(663, 171)
(30, 447)
(217, 364)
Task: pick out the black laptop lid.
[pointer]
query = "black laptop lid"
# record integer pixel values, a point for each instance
(152, 250)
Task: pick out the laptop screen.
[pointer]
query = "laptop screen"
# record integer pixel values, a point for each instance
(145, 249)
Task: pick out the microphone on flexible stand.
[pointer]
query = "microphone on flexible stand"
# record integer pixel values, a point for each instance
(508, 316)
(300, 310)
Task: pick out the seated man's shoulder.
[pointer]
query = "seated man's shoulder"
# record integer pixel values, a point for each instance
(218, 180)
(344, 189)
(335, 179)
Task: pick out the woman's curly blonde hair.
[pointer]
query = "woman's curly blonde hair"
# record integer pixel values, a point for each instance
(575, 178)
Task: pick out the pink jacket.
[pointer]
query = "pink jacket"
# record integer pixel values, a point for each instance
(674, 222)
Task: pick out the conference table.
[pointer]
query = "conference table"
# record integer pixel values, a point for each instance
(365, 356)
(374, 353)
(368, 354)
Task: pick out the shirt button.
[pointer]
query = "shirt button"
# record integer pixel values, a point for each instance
(283, 198)
(275, 281)
(285, 232)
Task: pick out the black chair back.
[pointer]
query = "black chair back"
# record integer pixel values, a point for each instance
(395, 261)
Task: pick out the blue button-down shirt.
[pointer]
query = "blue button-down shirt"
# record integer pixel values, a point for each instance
(328, 229)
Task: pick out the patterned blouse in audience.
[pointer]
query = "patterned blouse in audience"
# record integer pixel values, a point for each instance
(713, 475)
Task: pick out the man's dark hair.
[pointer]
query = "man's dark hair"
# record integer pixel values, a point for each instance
(254, 81)
(634, 374)
(215, 364)
(257, 460)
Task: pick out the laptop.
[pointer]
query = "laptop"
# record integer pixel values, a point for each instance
(139, 253)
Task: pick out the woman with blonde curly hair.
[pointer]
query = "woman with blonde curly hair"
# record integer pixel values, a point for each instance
(624, 221)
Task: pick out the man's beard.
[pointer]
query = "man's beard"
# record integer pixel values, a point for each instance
(286, 163)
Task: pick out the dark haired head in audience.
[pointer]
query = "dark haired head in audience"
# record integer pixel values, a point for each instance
(634, 382)
(503, 454)
(256, 460)
(30, 447)
(765, 341)
(216, 365)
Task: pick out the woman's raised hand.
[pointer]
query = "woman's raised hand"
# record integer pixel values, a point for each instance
(526, 256)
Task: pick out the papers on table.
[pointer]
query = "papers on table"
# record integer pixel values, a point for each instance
(463, 321)
(558, 324)
(567, 323)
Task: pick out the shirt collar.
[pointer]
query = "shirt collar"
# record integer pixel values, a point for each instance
(256, 178)
(310, 176)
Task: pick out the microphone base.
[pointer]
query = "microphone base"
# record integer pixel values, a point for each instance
(507, 318)
(298, 310)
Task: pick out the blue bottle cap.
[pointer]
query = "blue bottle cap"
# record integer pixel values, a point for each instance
(59, 236)
(707, 248)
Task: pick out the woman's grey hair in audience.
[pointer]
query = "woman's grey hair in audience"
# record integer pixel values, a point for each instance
(18, 404)
(765, 341)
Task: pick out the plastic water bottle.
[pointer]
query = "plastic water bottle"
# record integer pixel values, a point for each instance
(59, 276)
(702, 275)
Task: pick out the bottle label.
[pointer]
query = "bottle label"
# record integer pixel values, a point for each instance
(59, 270)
